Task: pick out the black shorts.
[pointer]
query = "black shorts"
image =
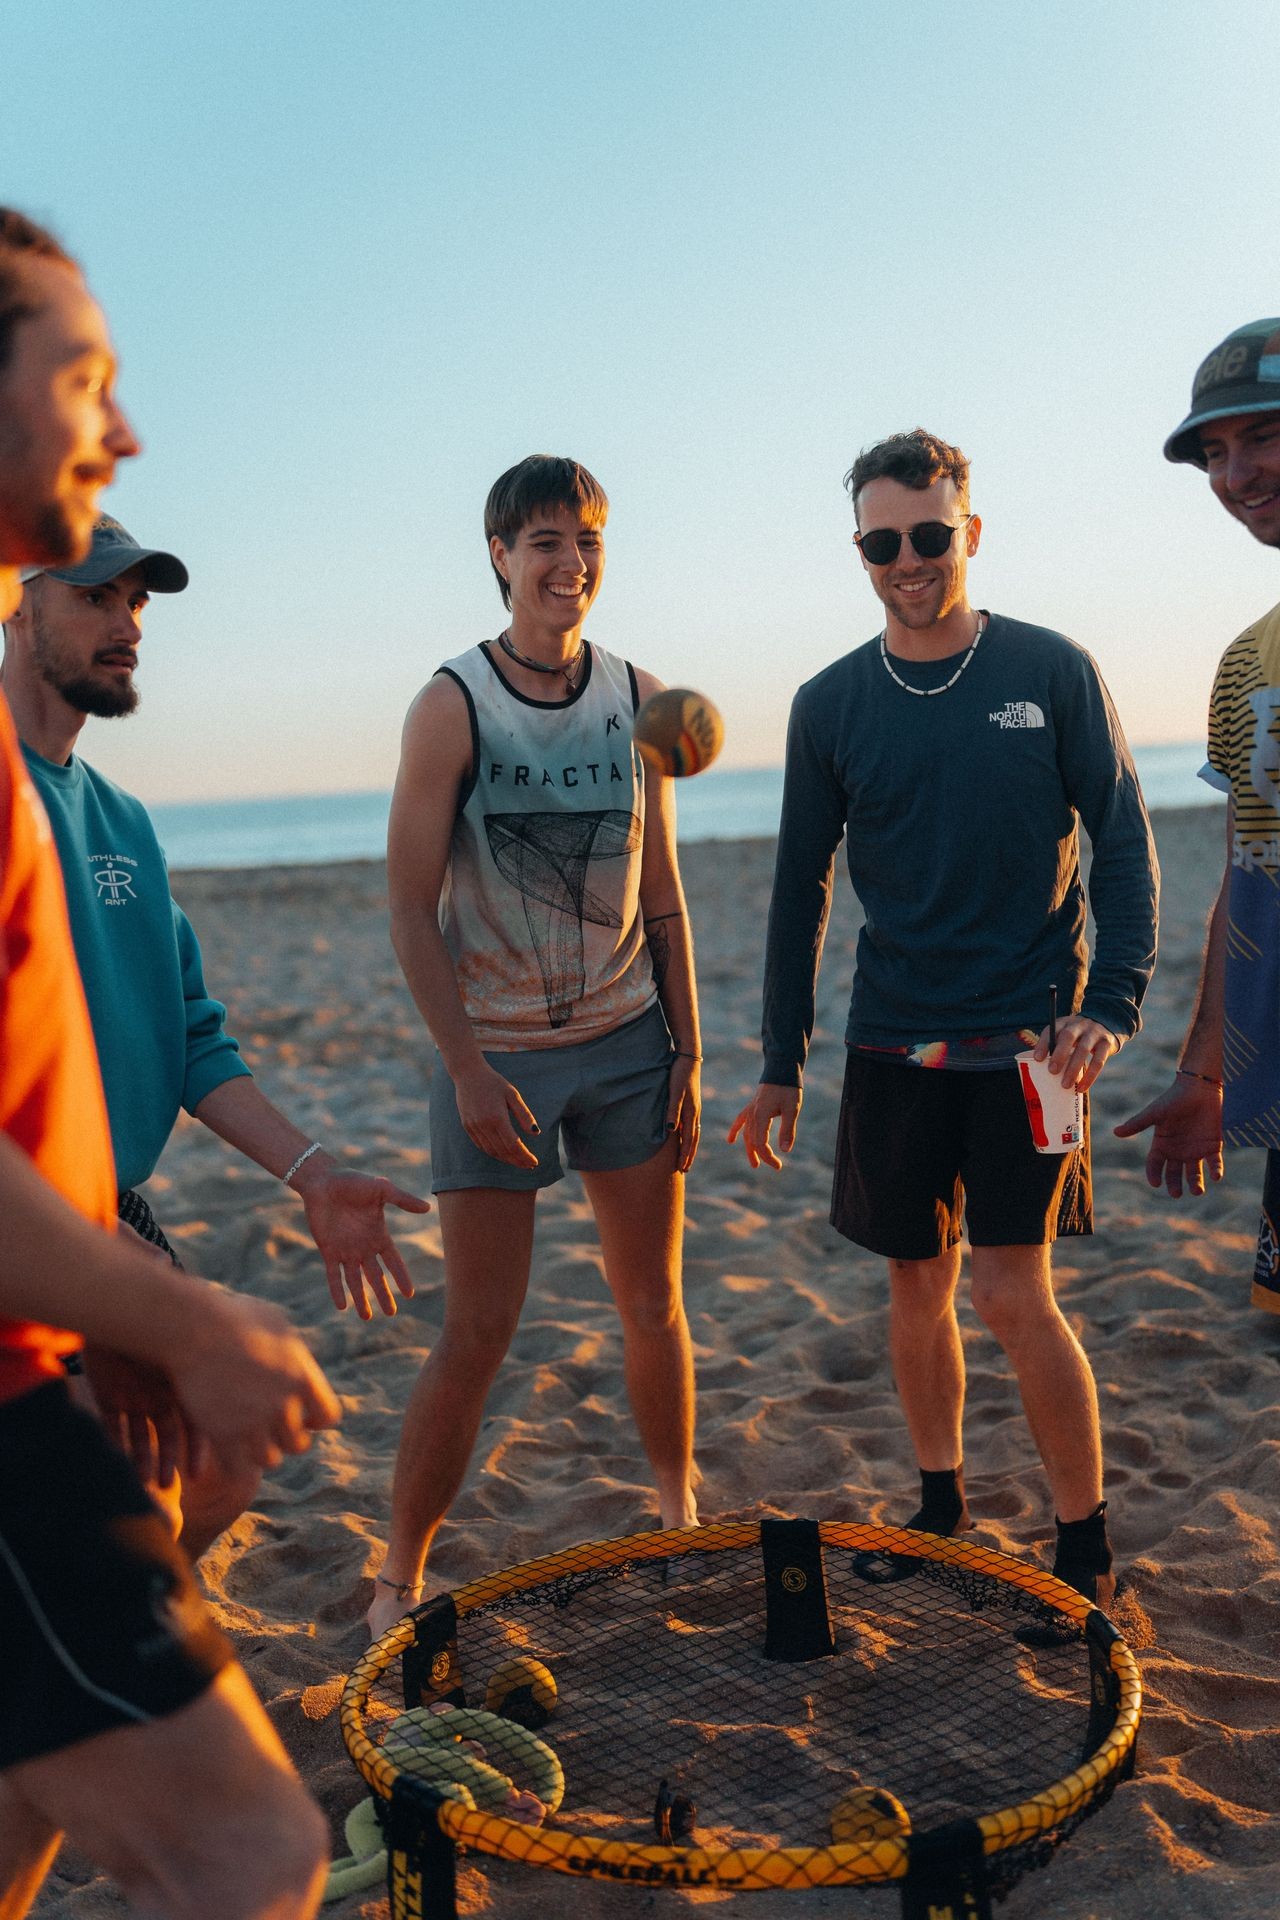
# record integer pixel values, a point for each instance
(136, 1213)
(921, 1148)
(101, 1625)
(1266, 1265)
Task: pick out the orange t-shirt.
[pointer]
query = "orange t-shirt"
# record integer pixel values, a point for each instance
(51, 1099)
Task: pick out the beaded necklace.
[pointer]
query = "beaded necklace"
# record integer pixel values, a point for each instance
(927, 693)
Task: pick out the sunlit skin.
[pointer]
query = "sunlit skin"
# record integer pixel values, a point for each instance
(926, 602)
(61, 428)
(1243, 459)
(554, 568)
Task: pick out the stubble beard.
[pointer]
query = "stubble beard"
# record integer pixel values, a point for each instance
(918, 615)
(97, 698)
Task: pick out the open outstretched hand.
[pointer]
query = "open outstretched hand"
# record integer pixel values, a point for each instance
(346, 1213)
(1187, 1139)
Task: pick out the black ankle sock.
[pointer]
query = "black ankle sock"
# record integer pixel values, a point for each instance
(1083, 1551)
(942, 1505)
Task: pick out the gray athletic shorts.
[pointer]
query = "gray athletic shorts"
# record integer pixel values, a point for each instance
(608, 1097)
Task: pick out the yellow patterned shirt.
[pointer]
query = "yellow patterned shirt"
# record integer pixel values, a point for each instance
(1244, 761)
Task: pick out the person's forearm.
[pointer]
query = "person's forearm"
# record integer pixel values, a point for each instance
(429, 973)
(798, 914)
(240, 1113)
(60, 1269)
(1099, 781)
(810, 830)
(1124, 892)
(670, 943)
(1202, 1048)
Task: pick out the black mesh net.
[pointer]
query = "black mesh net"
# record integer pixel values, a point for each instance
(962, 1713)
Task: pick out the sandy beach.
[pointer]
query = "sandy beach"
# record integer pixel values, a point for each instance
(796, 1408)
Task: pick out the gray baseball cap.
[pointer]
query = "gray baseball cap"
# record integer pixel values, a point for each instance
(113, 552)
(1240, 376)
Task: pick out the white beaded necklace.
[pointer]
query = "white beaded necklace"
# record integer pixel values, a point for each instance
(927, 693)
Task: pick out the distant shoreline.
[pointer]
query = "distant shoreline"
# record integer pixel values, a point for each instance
(724, 805)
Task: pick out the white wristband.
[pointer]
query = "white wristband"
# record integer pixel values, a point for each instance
(301, 1161)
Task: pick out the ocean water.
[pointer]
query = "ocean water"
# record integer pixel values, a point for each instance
(740, 804)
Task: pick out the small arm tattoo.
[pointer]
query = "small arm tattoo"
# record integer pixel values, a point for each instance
(659, 941)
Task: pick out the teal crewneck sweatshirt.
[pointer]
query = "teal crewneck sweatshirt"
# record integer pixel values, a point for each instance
(161, 1040)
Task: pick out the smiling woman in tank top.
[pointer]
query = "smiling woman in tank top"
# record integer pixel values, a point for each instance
(538, 915)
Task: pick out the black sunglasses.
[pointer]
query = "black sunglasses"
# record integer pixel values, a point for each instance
(930, 540)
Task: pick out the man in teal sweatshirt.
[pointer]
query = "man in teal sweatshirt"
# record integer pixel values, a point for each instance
(70, 651)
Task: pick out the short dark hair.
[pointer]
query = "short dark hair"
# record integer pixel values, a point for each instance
(21, 240)
(914, 459)
(540, 480)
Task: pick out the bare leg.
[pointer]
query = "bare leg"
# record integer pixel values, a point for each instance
(640, 1217)
(488, 1244)
(928, 1359)
(201, 1507)
(210, 1501)
(1013, 1295)
(28, 1846)
(196, 1815)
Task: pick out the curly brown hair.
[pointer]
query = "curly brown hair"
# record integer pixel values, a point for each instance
(914, 459)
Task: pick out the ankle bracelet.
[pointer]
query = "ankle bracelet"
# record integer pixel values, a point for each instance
(401, 1588)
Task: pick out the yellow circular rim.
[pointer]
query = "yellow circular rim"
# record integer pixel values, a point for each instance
(831, 1865)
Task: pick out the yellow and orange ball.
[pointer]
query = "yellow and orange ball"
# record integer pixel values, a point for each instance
(678, 731)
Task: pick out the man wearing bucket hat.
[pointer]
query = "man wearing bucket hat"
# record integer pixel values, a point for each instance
(1227, 1085)
(70, 651)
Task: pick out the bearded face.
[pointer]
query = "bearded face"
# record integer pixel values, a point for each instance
(84, 641)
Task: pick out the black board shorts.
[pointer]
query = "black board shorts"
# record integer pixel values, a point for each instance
(921, 1151)
(101, 1623)
(1266, 1265)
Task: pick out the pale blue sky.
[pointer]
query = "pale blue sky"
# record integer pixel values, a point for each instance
(360, 258)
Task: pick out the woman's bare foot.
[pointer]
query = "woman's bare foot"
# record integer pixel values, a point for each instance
(679, 1509)
(392, 1599)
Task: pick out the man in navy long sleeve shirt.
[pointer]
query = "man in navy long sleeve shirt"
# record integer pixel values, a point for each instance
(957, 754)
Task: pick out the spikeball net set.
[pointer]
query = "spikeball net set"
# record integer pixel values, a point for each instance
(769, 1704)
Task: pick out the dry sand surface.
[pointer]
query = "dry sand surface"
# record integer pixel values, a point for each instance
(797, 1413)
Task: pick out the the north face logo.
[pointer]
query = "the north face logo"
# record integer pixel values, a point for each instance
(1018, 713)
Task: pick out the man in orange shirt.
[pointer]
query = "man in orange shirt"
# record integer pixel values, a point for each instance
(123, 1717)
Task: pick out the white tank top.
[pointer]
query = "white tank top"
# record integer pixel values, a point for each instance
(541, 905)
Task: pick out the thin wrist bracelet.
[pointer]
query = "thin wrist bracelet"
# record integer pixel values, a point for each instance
(680, 1054)
(1189, 1073)
(301, 1161)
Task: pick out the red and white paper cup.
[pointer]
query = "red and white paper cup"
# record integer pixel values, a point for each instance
(1056, 1112)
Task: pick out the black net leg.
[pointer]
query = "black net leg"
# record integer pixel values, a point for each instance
(422, 1875)
(430, 1665)
(797, 1622)
(947, 1877)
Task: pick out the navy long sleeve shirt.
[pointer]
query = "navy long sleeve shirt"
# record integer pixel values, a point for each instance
(961, 814)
